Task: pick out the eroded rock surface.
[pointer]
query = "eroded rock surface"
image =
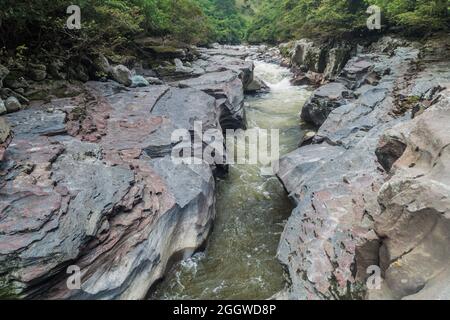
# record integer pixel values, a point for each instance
(414, 225)
(331, 238)
(88, 182)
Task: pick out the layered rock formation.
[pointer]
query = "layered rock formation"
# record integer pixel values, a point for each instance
(341, 226)
(89, 182)
(313, 61)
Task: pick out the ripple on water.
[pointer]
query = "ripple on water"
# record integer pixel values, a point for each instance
(240, 261)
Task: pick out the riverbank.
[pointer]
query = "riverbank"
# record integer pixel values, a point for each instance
(87, 181)
(88, 184)
(365, 185)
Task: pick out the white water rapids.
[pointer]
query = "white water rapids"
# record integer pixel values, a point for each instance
(240, 258)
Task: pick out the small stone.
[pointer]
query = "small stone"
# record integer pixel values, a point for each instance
(153, 80)
(139, 81)
(182, 68)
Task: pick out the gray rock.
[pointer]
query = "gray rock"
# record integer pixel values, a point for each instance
(153, 80)
(2, 107)
(12, 104)
(80, 188)
(415, 221)
(3, 73)
(185, 106)
(122, 75)
(306, 53)
(323, 101)
(257, 85)
(139, 81)
(218, 63)
(5, 131)
(336, 61)
(5, 137)
(227, 88)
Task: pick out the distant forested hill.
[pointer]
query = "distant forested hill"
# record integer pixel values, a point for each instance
(285, 19)
(112, 23)
(279, 20)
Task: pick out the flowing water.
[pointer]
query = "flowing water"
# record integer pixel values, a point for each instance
(240, 258)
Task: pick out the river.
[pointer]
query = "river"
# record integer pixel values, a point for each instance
(240, 258)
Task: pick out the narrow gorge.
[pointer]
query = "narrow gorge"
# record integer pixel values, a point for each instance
(88, 182)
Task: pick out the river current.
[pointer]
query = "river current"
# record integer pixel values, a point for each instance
(240, 257)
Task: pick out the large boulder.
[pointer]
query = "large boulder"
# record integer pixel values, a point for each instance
(89, 185)
(305, 54)
(217, 63)
(366, 76)
(37, 72)
(122, 75)
(180, 67)
(323, 101)
(325, 58)
(12, 104)
(336, 60)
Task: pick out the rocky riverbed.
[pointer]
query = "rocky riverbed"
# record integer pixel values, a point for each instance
(88, 181)
(86, 177)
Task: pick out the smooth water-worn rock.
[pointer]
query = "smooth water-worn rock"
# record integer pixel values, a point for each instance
(323, 101)
(331, 238)
(122, 75)
(153, 80)
(212, 62)
(95, 204)
(139, 81)
(369, 77)
(414, 224)
(227, 88)
(12, 104)
(88, 183)
(2, 107)
(180, 67)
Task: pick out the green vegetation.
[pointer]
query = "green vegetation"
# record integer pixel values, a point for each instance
(287, 19)
(39, 24)
(111, 24)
